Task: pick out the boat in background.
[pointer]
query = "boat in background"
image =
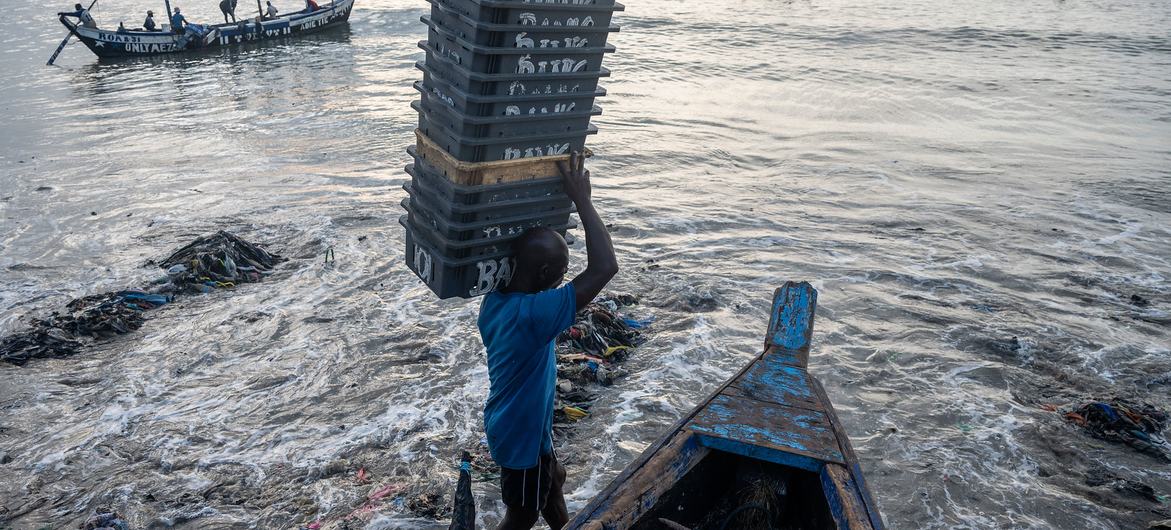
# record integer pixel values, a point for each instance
(765, 450)
(132, 43)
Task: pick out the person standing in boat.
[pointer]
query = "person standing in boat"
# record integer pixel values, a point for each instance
(178, 22)
(149, 23)
(84, 17)
(228, 8)
(311, 6)
(518, 325)
(271, 12)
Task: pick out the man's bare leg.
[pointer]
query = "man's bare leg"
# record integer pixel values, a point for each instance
(555, 513)
(518, 520)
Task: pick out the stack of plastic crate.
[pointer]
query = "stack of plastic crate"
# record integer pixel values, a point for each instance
(508, 90)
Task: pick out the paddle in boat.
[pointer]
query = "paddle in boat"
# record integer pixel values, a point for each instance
(765, 450)
(138, 43)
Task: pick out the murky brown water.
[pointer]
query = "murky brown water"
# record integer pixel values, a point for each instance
(949, 174)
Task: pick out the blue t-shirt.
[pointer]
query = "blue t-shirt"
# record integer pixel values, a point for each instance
(518, 330)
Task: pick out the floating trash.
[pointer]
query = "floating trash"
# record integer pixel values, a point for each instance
(218, 261)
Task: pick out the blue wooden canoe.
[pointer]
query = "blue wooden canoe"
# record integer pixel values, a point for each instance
(765, 450)
(137, 43)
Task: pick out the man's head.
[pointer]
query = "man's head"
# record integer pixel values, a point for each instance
(77, 7)
(150, 13)
(542, 259)
(176, 11)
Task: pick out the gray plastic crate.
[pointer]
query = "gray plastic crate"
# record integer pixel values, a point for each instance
(425, 213)
(433, 201)
(511, 59)
(450, 278)
(458, 194)
(471, 248)
(522, 33)
(519, 201)
(458, 277)
(505, 126)
(511, 84)
(503, 148)
(471, 105)
(548, 14)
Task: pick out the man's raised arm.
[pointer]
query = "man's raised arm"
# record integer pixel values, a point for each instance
(601, 265)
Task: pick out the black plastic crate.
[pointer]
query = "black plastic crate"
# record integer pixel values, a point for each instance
(471, 248)
(535, 207)
(503, 148)
(513, 84)
(547, 14)
(513, 59)
(578, 31)
(552, 188)
(427, 214)
(525, 196)
(451, 277)
(490, 237)
(468, 105)
(505, 126)
(431, 200)
(475, 105)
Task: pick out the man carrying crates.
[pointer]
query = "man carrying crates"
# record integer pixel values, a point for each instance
(518, 324)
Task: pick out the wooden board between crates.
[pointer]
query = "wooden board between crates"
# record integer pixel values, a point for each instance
(494, 172)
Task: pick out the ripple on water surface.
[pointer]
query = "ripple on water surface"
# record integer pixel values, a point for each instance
(976, 189)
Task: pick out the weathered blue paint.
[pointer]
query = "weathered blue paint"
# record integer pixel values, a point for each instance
(773, 380)
(685, 460)
(868, 500)
(792, 316)
(768, 425)
(834, 499)
(758, 452)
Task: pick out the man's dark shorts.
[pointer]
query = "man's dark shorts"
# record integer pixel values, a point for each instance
(529, 489)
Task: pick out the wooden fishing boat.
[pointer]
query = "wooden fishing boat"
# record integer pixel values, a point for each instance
(129, 43)
(765, 450)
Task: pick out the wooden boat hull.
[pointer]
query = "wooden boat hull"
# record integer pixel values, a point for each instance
(110, 44)
(765, 445)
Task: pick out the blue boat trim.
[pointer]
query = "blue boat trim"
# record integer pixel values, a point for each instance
(757, 452)
(762, 428)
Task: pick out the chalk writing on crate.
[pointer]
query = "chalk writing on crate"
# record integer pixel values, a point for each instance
(445, 51)
(444, 97)
(519, 89)
(530, 19)
(513, 153)
(566, 2)
(423, 264)
(525, 65)
(524, 41)
(514, 110)
(492, 274)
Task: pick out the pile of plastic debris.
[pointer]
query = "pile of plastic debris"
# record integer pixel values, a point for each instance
(221, 260)
(1139, 425)
(590, 352)
(94, 317)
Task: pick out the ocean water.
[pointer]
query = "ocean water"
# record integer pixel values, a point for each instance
(949, 175)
